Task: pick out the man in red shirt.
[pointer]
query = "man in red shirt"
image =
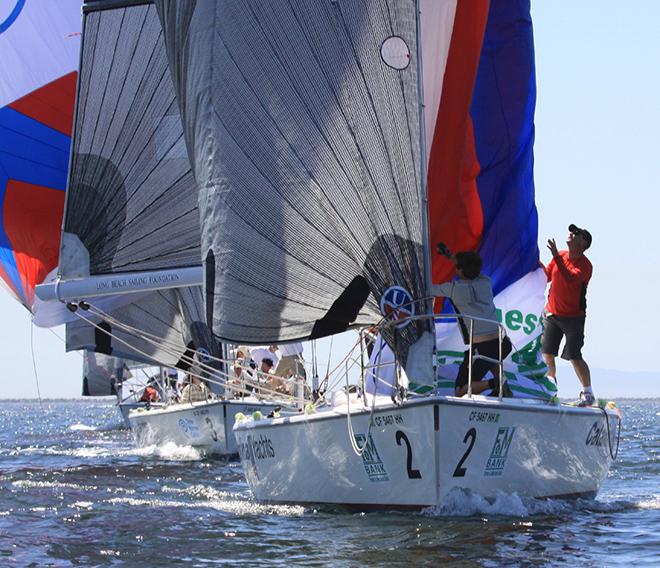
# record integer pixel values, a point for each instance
(569, 273)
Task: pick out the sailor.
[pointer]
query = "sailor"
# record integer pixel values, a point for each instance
(292, 362)
(196, 389)
(150, 393)
(568, 273)
(472, 295)
(243, 371)
(264, 351)
(264, 372)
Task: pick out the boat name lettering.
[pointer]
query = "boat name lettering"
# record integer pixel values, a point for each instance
(388, 420)
(258, 448)
(500, 451)
(596, 435)
(201, 412)
(481, 416)
(137, 281)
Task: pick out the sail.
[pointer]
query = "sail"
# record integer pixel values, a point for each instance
(102, 374)
(39, 50)
(165, 328)
(305, 126)
(131, 199)
(492, 210)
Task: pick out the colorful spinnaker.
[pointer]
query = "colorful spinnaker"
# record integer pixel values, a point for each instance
(39, 46)
(483, 198)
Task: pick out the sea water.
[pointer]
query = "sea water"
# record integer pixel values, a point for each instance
(74, 491)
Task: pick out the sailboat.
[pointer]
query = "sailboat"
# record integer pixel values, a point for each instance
(363, 133)
(130, 264)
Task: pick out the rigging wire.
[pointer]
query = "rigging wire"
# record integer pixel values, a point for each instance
(220, 380)
(34, 363)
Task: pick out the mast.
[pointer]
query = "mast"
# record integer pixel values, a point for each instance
(426, 249)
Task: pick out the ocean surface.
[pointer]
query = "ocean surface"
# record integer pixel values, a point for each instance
(74, 491)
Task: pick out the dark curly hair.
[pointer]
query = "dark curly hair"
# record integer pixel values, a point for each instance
(470, 263)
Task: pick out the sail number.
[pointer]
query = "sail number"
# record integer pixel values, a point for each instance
(471, 434)
(412, 473)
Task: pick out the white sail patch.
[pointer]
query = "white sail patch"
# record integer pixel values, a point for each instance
(395, 52)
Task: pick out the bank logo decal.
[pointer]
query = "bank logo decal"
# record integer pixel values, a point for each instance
(500, 451)
(396, 303)
(373, 465)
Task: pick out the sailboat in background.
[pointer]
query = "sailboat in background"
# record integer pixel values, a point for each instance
(359, 134)
(131, 235)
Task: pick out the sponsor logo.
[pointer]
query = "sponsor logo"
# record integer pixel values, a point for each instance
(189, 428)
(373, 465)
(396, 304)
(500, 451)
(518, 320)
(596, 435)
(203, 355)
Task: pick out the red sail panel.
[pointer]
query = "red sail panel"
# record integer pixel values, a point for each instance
(455, 215)
(32, 218)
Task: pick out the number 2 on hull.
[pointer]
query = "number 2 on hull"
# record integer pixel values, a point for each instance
(412, 473)
(460, 470)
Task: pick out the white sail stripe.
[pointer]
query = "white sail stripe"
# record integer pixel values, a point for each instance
(39, 46)
(437, 23)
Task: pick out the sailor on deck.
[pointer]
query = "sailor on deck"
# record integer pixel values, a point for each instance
(472, 295)
(292, 362)
(569, 273)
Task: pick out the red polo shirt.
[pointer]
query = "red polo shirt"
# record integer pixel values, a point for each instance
(568, 285)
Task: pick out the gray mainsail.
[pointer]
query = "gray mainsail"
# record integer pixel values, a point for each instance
(302, 122)
(131, 200)
(128, 205)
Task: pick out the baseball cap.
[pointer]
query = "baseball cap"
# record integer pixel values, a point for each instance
(577, 231)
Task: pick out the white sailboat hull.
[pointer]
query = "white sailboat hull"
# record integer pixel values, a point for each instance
(126, 407)
(420, 451)
(204, 425)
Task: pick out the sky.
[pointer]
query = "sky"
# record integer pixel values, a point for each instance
(596, 156)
